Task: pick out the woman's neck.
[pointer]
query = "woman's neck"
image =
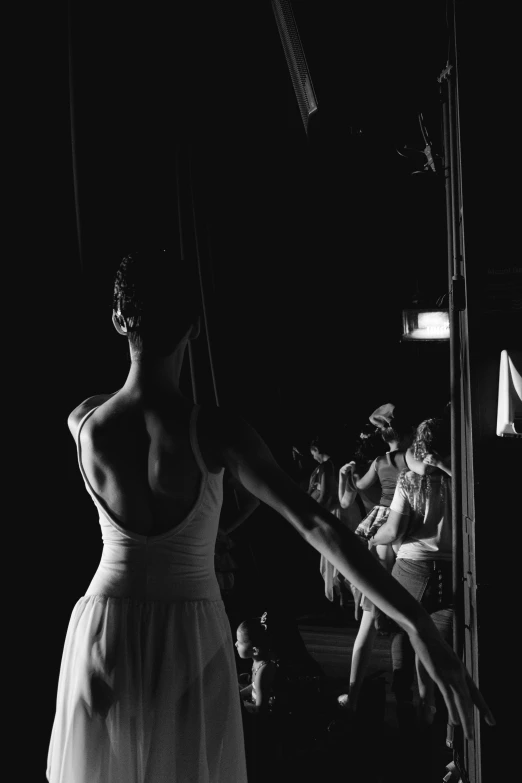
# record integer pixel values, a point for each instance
(156, 373)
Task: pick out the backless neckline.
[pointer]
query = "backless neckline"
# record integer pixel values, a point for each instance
(102, 505)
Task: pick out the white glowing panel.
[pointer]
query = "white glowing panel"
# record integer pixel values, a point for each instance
(425, 325)
(509, 410)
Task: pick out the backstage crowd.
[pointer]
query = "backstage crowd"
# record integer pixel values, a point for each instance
(394, 493)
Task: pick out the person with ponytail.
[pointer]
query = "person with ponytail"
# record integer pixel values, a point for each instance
(420, 523)
(383, 471)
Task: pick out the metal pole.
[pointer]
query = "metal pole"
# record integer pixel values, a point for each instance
(457, 304)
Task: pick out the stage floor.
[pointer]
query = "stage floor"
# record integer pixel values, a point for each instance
(376, 751)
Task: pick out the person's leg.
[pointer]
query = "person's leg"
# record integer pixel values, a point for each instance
(361, 653)
(437, 600)
(403, 663)
(386, 555)
(426, 686)
(414, 576)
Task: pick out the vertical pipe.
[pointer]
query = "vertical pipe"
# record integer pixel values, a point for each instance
(455, 344)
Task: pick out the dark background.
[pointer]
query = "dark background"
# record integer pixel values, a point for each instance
(315, 244)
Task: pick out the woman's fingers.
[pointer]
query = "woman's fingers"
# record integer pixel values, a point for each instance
(447, 694)
(460, 699)
(464, 705)
(454, 682)
(480, 702)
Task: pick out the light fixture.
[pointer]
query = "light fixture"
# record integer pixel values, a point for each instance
(295, 58)
(509, 409)
(427, 325)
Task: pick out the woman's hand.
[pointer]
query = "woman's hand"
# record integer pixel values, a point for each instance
(348, 468)
(433, 460)
(437, 462)
(451, 677)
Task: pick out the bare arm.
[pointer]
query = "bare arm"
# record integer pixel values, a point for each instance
(246, 692)
(246, 455)
(433, 460)
(264, 679)
(329, 489)
(392, 530)
(346, 489)
(438, 462)
(369, 478)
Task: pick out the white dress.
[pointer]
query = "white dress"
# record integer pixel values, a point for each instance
(147, 691)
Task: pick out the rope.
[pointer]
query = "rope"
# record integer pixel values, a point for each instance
(182, 252)
(73, 141)
(203, 299)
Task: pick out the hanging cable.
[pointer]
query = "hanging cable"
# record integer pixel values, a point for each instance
(203, 298)
(183, 259)
(73, 140)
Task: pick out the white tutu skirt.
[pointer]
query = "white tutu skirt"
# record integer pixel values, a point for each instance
(147, 694)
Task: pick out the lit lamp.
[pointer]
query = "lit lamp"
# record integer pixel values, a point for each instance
(426, 325)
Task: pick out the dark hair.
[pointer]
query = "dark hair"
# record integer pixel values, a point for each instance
(368, 445)
(322, 445)
(157, 293)
(432, 436)
(261, 632)
(399, 429)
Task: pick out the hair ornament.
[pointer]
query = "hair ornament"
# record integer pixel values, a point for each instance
(263, 620)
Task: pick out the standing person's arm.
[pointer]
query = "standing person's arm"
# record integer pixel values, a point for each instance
(329, 487)
(369, 478)
(251, 462)
(322, 489)
(393, 529)
(433, 460)
(263, 680)
(347, 490)
(396, 525)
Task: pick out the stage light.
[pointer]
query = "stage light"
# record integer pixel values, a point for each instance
(425, 325)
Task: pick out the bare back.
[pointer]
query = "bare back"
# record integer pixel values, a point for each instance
(138, 460)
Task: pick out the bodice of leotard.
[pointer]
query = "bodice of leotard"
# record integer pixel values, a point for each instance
(176, 565)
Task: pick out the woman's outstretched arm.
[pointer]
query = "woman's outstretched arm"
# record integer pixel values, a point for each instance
(246, 455)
